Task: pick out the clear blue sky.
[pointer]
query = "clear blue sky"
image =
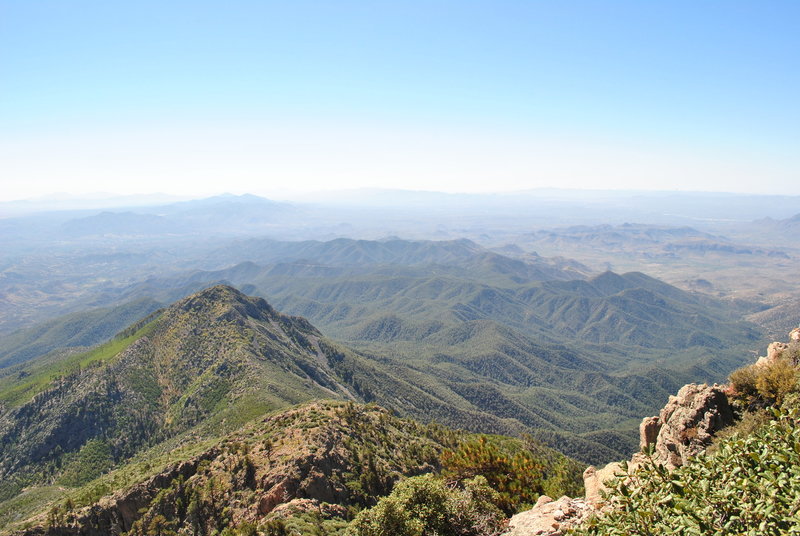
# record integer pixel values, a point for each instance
(202, 97)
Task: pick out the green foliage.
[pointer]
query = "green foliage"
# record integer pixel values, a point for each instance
(310, 523)
(14, 393)
(27, 503)
(426, 505)
(93, 459)
(748, 485)
(749, 423)
(275, 527)
(765, 384)
(517, 477)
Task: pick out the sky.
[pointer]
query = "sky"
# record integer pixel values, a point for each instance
(199, 97)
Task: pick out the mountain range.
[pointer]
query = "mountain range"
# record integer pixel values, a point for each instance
(510, 358)
(188, 375)
(145, 349)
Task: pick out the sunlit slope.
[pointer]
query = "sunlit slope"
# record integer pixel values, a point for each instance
(213, 359)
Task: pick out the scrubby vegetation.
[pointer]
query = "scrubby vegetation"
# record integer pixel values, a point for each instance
(748, 482)
(765, 384)
(427, 505)
(181, 397)
(312, 469)
(748, 485)
(516, 478)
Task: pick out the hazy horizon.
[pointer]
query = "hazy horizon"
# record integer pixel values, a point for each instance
(102, 198)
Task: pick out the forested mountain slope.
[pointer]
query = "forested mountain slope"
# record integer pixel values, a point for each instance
(495, 359)
(215, 356)
(304, 470)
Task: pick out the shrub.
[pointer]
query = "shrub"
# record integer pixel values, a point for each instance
(516, 477)
(764, 385)
(749, 485)
(776, 381)
(425, 505)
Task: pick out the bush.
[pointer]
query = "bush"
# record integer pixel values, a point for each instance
(749, 485)
(516, 477)
(425, 505)
(764, 385)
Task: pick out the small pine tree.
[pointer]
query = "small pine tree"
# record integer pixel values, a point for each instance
(517, 477)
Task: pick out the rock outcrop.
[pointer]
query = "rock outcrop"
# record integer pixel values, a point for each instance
(549, 517)
(594, 481)
(775, 351)
(687, 423)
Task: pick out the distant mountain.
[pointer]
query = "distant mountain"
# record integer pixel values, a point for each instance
(779, 319)
(643, 240)
(345, 252)
(786, 225)
(343, 284)
(542, 338)
(453, 332)
(221, 215)
(86, 328)
(248, 211)
(119, 224)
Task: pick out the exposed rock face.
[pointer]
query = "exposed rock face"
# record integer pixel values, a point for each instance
(774, 352)
(594, 481)
(648, 432)
(794, 335)
(778, 350)
(687, 423)
(549, 517)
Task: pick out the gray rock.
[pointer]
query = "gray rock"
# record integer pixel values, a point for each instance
(687, 423)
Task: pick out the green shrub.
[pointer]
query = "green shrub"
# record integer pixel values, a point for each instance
(517, 477)
(750, 485)
(777, 380)
(764, 385)
(425, 505)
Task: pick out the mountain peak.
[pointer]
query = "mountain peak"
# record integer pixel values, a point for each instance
(221, 299)
(609, 281)
(216, 293)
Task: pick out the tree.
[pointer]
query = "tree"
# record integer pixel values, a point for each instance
(516, 477)
(427, 505)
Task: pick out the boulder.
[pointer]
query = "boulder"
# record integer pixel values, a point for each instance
(549, 517)
(594, 481)
(687, 423)
(775, 351)
(648, 432)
